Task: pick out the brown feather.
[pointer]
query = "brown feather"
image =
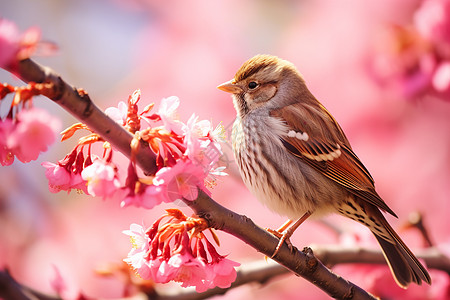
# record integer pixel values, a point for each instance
(323, 141)
(254, 65)
(398, 255)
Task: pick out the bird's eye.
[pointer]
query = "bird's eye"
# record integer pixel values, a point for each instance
(252, 85)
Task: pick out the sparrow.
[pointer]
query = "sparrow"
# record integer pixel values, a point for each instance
(295, 158)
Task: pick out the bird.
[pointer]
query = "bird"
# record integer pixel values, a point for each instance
(295, 158)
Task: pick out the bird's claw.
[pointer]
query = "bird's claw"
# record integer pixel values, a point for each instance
(274, 232)
(283, 237)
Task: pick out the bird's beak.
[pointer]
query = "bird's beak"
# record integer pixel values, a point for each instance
(230, 87)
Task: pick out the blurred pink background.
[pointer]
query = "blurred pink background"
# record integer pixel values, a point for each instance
(187, 48)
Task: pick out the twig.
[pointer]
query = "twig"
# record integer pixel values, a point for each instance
(415, 220)
(332, 255)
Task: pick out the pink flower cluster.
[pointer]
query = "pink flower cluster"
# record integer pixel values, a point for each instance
(179, 251)
(187, 157)
(66, 174)
(432, 20)
(414, 60)
(26, 135)
(102, 178)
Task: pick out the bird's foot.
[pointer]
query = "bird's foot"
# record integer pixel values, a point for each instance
(285, 232)
(280, 234)
(283, 237)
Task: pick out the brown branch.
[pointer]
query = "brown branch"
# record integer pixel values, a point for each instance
(77, 102)
(303, 263)
(332, 255)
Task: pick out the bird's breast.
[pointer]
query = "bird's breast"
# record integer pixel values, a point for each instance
(277, 178)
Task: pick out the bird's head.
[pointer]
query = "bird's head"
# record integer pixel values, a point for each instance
(264, 81)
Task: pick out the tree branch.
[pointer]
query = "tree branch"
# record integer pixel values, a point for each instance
(77, 102)
(332, 255)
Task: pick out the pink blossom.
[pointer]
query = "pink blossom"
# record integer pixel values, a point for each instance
(119, 113)
(180, 181)
(13, 44)
(140, 194)
(35, 131)
(441, 77)
(6, 155)
(137, 255)
(432, 20)
(193, 131)
(198, 128)
(413, 60)
(218, 133)
(168, 113)
(149, 198)
(101, 177)
(200, 142)
(78, 183)
(9, 42)
(406, 70)
(186, 269)
(175, 251)
(153, 269)
(59, 179)
(223, 272)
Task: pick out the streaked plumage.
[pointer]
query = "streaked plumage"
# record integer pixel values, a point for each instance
(295, 158)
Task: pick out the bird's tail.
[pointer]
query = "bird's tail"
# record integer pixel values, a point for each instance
(405, 267)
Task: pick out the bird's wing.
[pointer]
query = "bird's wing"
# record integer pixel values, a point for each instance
(324, 146)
